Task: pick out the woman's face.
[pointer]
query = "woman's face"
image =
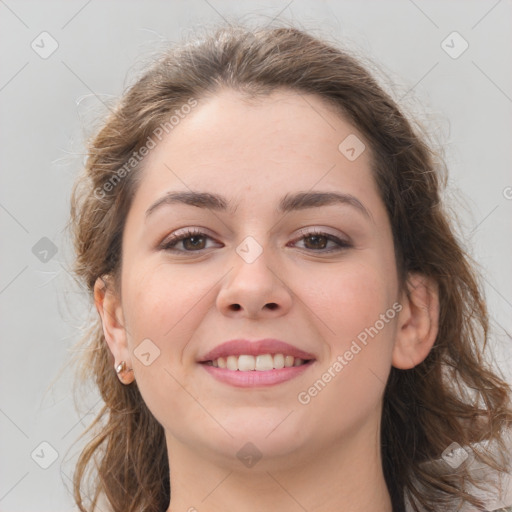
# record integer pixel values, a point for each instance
(256, 272)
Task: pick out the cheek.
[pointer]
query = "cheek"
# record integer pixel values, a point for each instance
(159, 301)
(163, 307)
(351, 298)
(167, 306)
(358, 307)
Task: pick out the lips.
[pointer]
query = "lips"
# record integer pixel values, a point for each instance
(256, 364)
(240, 347)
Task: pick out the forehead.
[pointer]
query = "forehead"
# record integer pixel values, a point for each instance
(281, 142)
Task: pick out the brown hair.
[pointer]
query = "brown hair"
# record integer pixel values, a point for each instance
(422, 412)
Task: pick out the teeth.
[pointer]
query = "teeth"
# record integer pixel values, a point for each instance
(245, 363)
(279, 361)
(263, 362)
(232, 363)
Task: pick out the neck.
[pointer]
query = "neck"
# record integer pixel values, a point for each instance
(347, 476)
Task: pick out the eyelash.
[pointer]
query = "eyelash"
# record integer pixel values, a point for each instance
(174, 240)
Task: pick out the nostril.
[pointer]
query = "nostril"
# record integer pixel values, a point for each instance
(271, 305)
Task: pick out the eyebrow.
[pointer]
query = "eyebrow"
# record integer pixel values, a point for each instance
(290, 202)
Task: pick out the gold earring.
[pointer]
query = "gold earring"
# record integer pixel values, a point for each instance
(121, 369)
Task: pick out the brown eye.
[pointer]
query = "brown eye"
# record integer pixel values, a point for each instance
(195, 241)
(192, 241)
(318, 241)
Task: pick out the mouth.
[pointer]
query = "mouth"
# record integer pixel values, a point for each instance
(248, 364)
(258, 363)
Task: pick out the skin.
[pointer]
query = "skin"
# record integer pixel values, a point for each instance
(315, 456)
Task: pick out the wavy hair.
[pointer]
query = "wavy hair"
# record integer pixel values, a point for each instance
(453, 396)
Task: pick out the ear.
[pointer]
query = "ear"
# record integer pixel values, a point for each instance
(418, 322)
(108, 305)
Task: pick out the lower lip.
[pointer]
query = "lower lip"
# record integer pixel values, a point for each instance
(255, 378)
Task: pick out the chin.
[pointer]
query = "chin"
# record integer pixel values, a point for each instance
(277, 433)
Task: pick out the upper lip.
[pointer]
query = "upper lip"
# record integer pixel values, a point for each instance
(254, 348)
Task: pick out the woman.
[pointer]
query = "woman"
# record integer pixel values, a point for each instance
(286, 319)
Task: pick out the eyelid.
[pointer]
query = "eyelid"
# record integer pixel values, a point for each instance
(312, 230)
(184, 233)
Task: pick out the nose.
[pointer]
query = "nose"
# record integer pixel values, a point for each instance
(253, 288)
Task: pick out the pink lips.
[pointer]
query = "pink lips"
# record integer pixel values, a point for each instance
(255, 378)
(254, 348)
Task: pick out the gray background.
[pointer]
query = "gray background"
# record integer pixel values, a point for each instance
(49, 105)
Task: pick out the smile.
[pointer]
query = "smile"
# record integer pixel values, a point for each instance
(262, 362)
(246, 371)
